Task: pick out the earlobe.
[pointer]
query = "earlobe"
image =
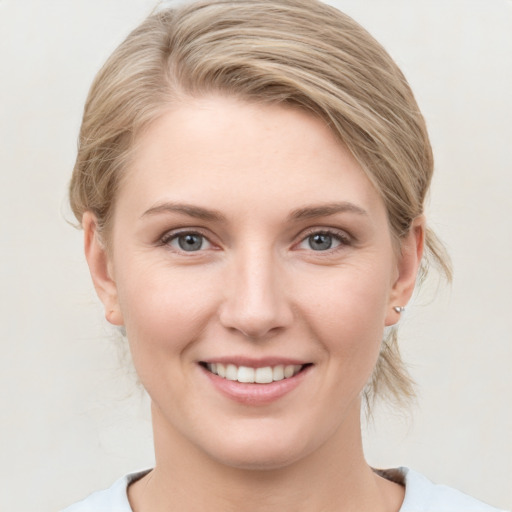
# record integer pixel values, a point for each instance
(408, 264)
(100, 269)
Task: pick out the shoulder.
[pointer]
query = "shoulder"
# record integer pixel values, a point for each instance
(421, 495)
(113, 499)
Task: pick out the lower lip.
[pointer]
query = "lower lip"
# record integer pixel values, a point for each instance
(256, 394)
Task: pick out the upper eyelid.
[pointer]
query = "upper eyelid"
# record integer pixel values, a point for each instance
(341, 233)
(172, 234)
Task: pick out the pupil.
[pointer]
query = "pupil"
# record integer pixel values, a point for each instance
(190, 242)
(320, 242)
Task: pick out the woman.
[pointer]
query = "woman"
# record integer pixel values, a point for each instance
(250, 180)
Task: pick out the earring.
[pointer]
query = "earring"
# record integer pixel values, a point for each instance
(399, 309)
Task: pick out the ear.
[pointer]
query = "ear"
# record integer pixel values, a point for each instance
(100, 267)
(408, 264)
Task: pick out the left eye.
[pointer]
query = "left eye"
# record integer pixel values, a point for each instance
(320, 242)
(188, 242)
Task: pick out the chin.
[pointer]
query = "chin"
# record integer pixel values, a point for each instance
(258, 460)
(262, 450)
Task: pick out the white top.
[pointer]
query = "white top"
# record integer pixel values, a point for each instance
(421, 495)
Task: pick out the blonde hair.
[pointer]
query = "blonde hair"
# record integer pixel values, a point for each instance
(299, 52)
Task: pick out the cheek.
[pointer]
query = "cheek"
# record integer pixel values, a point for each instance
(347, 313)
(163, 309)
(350, 300)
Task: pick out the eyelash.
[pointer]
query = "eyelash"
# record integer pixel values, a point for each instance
(171, 236)
(343, 239)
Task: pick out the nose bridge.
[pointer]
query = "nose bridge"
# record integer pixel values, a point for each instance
(255, 302)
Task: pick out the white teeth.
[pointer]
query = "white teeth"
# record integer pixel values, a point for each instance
(288, 370)
(278, 372)
(246, 374)
(263, 375)
(221, 370)
(231, 372)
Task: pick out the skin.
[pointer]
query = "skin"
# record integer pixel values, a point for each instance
(269, 177)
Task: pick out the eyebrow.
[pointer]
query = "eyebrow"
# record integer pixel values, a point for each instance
(306, 212)
(325, 210)
(186, 209)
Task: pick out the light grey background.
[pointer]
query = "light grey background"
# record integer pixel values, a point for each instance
(72, 421)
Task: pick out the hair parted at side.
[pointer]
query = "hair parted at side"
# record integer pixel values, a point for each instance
(296, 52)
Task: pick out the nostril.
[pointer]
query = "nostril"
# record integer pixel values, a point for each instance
(254, 304)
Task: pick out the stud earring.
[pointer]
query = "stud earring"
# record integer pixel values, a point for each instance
(399, 309)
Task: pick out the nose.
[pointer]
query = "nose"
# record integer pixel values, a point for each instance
(255, 297)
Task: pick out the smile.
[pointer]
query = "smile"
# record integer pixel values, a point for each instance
(246, 374)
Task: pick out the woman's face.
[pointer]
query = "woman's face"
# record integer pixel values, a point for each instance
(247, 244)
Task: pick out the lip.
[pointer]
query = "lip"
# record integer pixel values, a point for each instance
(252, 362)
(254, 394)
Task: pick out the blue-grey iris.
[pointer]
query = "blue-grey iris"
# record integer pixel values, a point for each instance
(320, 242)
(190, 242)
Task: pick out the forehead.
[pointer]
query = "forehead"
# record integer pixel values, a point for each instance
(222, 152)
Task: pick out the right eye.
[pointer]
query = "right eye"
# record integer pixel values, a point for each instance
(187, 242)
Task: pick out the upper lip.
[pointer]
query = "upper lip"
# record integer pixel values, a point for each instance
(252, 362)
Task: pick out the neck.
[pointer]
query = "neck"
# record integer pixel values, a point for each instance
(334, 477)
